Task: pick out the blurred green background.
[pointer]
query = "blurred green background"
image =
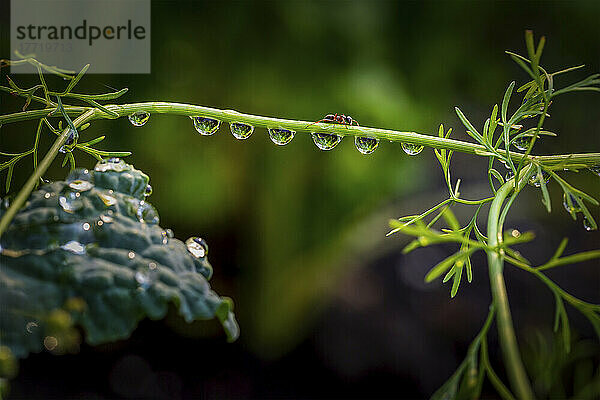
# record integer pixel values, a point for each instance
(297, 235)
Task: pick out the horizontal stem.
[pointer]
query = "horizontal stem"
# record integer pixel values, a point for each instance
(566, 160)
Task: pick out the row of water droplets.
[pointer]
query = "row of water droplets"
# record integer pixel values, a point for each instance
(280, 136)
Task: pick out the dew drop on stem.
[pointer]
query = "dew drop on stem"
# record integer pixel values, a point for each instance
(281, 136)
(139, 118)
(241, 131)
(522, 143)
(587, 224)
(574, 207)
(70, 142)
(366, 145)
(326, 141)
(535, 181)
(412, 149)
(206, 126)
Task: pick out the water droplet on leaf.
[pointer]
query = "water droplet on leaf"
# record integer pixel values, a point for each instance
(166, 235)
(147, 213)
(106, 219)
(112, 164)
(74, 247)
(70, 202)
(81, 186)
(146, 275)
(326, 141)
(148, 191)
(139, 118)
(206, 126)
(197, 246)
(241, 131)
(412, 149)
(281, 136)
(108, 200)
(366, 145)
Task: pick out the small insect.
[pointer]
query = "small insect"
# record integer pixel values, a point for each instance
(337, 119)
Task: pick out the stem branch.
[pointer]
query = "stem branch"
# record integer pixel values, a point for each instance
(508, 341)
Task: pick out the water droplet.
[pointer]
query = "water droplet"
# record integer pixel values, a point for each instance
(166, 235)
(146, 275)
(5, 203)
(534, 180)
(48, 195)
(206, 126)
(147, 213)
(595, 169)
(108, 200)
(112, 164)
(70, 202)
(50, 343)
(81, 186)
(74, 247)
(281, 136)
(197, 246)
(131, 255)
(366, 145)
(148, 191)
(100, 223)
(86, 226)
(139, 118)
(70, 142)
(79, 174)
(326, 141)
(412, 149)
(587, 224)
(522, 143)
(30, 327)
(240, 130)
(574, 205)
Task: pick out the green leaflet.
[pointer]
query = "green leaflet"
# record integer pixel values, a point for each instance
(94, 241)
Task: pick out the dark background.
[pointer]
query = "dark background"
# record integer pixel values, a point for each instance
(328, 306)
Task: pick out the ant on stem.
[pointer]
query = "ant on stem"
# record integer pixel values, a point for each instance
(337, 119)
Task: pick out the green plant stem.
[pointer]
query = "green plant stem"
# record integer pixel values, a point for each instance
(568, 160)
(508, 341)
